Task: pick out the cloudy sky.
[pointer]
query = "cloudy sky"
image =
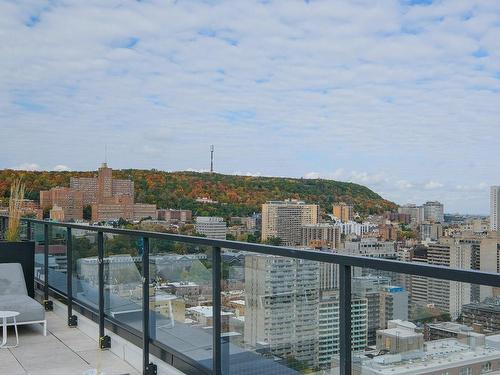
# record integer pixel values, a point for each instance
(402, 96)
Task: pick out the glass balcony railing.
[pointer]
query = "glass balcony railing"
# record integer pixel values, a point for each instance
(224, 307)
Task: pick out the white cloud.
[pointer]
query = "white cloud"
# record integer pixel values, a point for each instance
(61, 168)
(335, 175)
(27, 167)
(367, 178)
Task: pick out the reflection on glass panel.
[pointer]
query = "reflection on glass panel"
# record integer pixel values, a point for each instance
(23, 230)
(85, 265)
(57, 258)
(38, 237)
(276, 316)
(123, 278)
(427, 326)
(181, 298)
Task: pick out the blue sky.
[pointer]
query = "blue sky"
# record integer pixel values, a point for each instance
(401, 96)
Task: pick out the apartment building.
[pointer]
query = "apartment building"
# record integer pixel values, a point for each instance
(211, 226)
(433, 212)
(484, 316)
(111, 199)
(413, 211)
(282, 306)
(384, 302)
(321, 235)
(495, 208)
(449, 296)
(343, 211)
(284, 220)
(328, 328)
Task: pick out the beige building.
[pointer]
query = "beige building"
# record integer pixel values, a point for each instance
(321, 236)
(445, 295)
(57, 213)
(489, 261)
(284, 219)
(343, 211)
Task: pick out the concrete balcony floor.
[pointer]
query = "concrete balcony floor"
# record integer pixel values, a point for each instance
(64, 351)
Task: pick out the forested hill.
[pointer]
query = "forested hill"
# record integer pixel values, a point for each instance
(236, 195)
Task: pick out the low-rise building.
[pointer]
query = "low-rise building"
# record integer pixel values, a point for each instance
(211, 226)
(485, 317)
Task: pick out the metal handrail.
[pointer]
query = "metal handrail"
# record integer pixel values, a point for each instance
(345, 262)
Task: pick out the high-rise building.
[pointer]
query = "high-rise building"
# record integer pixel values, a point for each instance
(489, 261)
(88, 186)
(110, 198)
(284, 220)
(394, 304)
(321, 236)
(343, 211)
(282, 306)
(495, 208)
(413, 211)
(328, 327)
(67, 200)
(431, 231)
(211, 226)
(433, 212)
(384, 301)
(449, 296)
(99, 189)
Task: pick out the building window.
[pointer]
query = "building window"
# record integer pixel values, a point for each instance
(465, 371)
(485, 367)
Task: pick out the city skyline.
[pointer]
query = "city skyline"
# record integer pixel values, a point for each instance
(400, 96)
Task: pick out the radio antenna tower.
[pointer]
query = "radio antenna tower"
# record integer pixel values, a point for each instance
(212, 159)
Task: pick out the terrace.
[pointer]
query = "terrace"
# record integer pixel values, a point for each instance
(98, 279)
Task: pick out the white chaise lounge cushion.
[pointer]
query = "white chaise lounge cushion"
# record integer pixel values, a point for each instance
(29, 310)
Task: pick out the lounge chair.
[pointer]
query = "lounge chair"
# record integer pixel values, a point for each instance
(14, 297)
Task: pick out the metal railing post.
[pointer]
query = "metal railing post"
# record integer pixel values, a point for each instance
(104, 341)
(216, 310)
(72, 319)
(46, 303)
(149, 368)
(345, 320)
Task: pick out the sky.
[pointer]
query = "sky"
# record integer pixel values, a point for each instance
(400, 96)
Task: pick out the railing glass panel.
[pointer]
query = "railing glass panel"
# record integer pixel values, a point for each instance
(425, 325)
(123, 278)
(181, 298)
(85, 267)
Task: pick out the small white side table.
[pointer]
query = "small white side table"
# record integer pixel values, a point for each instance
(5, 315)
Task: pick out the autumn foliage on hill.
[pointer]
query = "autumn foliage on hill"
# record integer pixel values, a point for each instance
(236, 195)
